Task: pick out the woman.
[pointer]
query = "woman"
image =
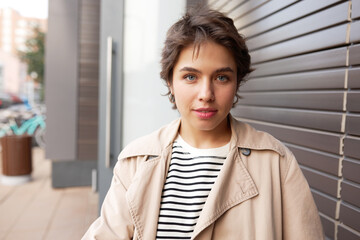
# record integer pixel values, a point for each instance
(206, 175)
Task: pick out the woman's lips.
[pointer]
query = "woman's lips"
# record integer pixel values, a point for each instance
(205, 113)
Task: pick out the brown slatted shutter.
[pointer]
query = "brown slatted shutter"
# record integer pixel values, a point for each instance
(87, 139)
(306, 92)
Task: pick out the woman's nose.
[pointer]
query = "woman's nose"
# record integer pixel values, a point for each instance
(206, 91)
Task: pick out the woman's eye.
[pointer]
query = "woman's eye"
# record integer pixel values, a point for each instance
(190, 77)
(222, 78)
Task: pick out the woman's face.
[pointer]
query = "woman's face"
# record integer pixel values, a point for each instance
(204, 87)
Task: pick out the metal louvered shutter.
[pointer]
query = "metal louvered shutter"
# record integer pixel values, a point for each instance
(306, 92)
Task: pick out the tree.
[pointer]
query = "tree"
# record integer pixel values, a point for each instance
(33, 56)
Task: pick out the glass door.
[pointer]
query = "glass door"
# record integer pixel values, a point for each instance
(110, 95)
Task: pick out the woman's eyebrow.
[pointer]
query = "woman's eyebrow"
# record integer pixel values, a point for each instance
(189, 69)
(225, 69)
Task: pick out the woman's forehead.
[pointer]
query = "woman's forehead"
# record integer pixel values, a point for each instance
(206, 53)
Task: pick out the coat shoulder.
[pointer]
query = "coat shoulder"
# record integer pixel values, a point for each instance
(152, 144)
(250, 137)
(262, 141)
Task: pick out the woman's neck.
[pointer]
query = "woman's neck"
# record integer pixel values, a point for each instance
(206, 139)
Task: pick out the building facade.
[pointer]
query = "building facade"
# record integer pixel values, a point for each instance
(14, 31)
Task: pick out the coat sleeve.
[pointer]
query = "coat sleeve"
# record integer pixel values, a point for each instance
(300, 215)
(115, 219)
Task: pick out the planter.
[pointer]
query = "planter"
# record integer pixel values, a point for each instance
(16, 159)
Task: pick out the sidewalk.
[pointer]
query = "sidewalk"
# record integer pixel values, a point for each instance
(36, 211)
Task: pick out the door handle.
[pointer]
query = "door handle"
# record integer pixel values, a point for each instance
(109, 53)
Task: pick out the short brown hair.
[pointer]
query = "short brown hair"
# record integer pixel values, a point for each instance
(197, 26)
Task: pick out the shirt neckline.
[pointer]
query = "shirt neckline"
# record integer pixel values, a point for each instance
(218, 151)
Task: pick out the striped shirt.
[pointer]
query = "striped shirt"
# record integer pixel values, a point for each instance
(191, 175)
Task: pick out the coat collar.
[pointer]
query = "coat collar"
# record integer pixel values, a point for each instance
(245, 136)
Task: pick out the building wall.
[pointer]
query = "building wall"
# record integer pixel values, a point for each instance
(71, 74)
(61, 74)
(72, 80)
(305, 91)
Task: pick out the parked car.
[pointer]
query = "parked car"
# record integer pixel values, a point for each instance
(8, 99)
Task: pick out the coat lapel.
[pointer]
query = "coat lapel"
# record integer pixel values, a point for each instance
(233, 186)
(144, 195)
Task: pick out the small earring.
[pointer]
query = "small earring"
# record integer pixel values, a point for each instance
(171, 98)
(236, 100)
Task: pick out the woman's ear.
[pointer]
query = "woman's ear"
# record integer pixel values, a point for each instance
(170, 88)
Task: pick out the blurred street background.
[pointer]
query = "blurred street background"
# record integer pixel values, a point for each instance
(32, 209)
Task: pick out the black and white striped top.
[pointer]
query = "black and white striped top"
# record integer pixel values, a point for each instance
(191, 175)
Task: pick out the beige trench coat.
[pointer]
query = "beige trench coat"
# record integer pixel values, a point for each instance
(260, 192)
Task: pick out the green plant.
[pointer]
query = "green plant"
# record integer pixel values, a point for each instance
(33, 56)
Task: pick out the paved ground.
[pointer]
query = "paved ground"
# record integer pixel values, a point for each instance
(36, 211)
